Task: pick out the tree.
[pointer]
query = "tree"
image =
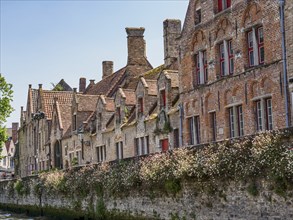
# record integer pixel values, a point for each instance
(5, 107)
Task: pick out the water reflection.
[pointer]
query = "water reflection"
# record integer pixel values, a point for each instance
(11, 216)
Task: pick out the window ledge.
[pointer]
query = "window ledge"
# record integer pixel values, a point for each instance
(224, 11)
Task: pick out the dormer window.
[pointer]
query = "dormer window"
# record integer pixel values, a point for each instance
(140, 105)
(163, 98)
(223, 4)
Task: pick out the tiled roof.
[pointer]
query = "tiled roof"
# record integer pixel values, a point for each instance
(174, 76)
(129, 94)
(107, 85)
(64, 98)
(152, 86)
(153, 73)
(86, 102)
(109, 102)
(64, 112)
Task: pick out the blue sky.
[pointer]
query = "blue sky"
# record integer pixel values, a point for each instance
(45, 41)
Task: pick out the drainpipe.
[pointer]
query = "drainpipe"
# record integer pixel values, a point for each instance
(181, 125)
(282, 22)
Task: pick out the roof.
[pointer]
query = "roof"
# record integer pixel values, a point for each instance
(109, 103)
(86, 102)
(129, 95)
(173, 75)
(152, 86)
(64, 85)
(63, 97)
(106, 85)
(64, 113)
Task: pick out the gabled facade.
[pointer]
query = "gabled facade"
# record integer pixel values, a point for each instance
(230, 70)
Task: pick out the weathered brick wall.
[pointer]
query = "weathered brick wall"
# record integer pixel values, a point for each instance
(234, 202)
(247, 83)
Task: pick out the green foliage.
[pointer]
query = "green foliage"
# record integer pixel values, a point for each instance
(74, 161)
(252, 189)
(101, 209)
(264, 156)
(57, 87)
(173, 186)
(5, 106)
(21, 188)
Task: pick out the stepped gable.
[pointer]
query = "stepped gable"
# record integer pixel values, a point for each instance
(107, 85)
(64, 98)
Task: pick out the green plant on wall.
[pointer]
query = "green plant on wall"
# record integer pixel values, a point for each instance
(21, 188)
(74, 161)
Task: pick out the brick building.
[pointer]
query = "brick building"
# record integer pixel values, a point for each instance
(231, 70)
(222, 77)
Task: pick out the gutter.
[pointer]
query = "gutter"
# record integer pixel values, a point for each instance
(284, 57)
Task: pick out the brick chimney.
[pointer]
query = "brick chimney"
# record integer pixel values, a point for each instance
(172, 30)
(14, 131)
(82, 84)
(136, 46)
(107, 68)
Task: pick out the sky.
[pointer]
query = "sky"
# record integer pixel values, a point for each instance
(42, 42)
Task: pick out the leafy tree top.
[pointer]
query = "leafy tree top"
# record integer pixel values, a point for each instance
(6, 95)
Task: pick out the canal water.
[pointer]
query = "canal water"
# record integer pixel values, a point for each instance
(12, 216)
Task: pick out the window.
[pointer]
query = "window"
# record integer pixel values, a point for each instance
(213, 126)
(119, 150)
(197, 16)
(176, 138)
(236, 122)
(255, 45)
(194, 130)
(201, 68)
(163, 98)
(118, 115)
(101, 153)
(226, 55)
(140, 105)
(223, 4)
(141, 146)
(164, 144)
(264, 114)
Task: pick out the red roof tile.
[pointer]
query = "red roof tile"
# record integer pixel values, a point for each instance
(64, 98)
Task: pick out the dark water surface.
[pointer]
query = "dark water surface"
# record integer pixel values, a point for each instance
(12, 216)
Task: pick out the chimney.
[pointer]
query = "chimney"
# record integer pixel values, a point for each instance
(172, 30)
(82, 84)
(107, 68)
(136, 46)
(14, 131)
(29, 86)
(92, 82)
(74, 90)
(40, 86)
